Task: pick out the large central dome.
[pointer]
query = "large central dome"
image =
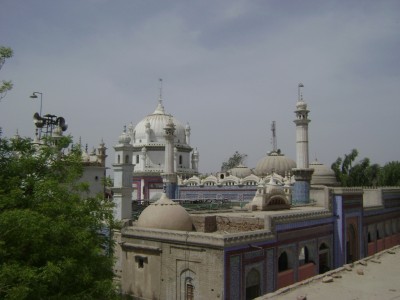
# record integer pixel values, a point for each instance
(275, 162)
(151, 128)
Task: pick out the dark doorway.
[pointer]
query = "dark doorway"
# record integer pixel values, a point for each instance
(323, 258)
(351, 244)
(253, 285)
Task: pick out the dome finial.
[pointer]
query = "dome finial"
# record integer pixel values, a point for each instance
(160, 108)
(300, 94)
(274, 140)
(160, 98)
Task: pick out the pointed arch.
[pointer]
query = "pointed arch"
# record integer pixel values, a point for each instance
(188, 285)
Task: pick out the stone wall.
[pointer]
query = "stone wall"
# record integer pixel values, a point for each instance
(161, 265)
(226, 224)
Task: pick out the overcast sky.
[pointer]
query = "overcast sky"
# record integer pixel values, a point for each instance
(229, 68)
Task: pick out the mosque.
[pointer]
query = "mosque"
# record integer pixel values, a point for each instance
(295, 221)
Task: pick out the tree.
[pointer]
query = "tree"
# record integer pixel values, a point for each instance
(50, 246)
(350, 174)
(342, 167)
(390, 174)
(233, 161)
(5, 86)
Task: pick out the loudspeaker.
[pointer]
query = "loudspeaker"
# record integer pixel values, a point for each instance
(38, 120)
(61, 123)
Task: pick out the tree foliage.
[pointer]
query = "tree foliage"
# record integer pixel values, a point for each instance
(5, 86)
(50, 246)
(349, 173)
(233, 161)
(390, 174)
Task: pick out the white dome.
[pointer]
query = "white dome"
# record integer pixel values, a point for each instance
(322, 175)
(165, 214)
(274, 162)
(153, 126)
(240, 171)
(301, 105)
(124, 138)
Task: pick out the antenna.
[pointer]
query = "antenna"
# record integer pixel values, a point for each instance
(299, 93)
(160, 79)
(274, 143)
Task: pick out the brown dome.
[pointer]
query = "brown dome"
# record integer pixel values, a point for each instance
(165, 214)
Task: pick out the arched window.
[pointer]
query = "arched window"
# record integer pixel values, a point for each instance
(189, 291)
(127, 159)
(118, 159)
(180, 159)
(303, 256)
(137, 159)
(188, 285)
(283, 262)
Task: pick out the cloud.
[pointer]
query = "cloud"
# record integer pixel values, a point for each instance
(230, 68)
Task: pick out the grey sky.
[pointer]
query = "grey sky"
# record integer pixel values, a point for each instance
(230, 68)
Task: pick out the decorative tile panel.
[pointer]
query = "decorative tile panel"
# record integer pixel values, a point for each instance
(235, 270)
(270, 270)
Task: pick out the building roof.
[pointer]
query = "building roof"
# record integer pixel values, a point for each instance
(380, 280)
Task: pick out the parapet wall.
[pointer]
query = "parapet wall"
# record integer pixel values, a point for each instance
(226, 224)
(372, 197)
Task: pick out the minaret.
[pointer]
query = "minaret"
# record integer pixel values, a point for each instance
(169, 175)
(101, 156)
(195, 160)
(187, 133)
(123, 171)
(302, 172)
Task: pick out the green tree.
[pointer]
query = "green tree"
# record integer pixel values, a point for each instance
(390, 174)
(233, 161)
(349, 173)
(50, 246)
(342, 167)
(5, 53)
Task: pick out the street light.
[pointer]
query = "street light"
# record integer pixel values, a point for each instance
(34, 96)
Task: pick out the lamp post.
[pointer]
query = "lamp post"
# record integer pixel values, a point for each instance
(34, 96)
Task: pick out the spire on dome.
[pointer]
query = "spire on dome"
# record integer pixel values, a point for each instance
(274, 140)
(160, 79)
(300, 94)
(160, 108)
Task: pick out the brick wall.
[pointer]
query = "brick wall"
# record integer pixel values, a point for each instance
(285, 278)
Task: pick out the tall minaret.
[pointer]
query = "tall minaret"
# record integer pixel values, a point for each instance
(123, 171)
(195, 160)
(302, 172)
(169, 175)
(187, 133)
